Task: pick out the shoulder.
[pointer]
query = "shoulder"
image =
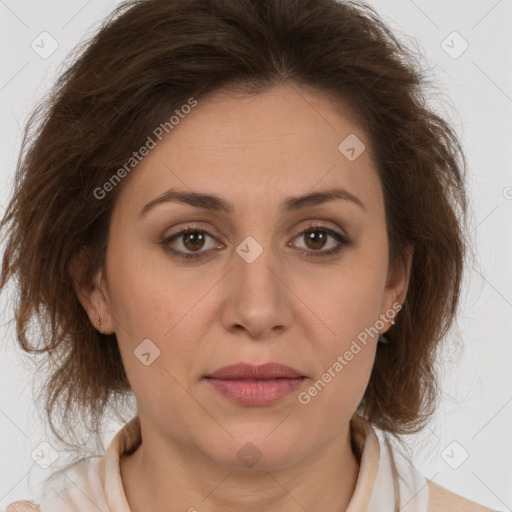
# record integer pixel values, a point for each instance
(443, 500)
(23, 506)
(77, 488)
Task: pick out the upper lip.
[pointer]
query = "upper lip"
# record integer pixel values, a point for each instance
(250, 371)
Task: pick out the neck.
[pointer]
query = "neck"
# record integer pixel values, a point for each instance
(175, 478)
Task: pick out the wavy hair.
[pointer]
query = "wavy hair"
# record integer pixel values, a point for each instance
(146, 60)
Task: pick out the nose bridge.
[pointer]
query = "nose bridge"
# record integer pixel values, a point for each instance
(255, 266)
(257, 299)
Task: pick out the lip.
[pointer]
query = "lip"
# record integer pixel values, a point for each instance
(241, 371)
(255, 385)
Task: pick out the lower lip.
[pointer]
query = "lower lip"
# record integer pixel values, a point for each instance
(255, 392)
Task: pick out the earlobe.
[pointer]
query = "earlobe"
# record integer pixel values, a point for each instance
(397, 285)
(102, 310)
(403, 274)
(92, 294)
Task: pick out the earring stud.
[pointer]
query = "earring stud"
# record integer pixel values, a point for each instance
(99, 325)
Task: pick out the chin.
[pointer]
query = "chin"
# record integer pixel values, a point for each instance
(258, 450)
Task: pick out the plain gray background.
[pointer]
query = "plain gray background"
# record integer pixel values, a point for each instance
(474, 421)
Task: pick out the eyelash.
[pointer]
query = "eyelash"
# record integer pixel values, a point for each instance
(342, 239)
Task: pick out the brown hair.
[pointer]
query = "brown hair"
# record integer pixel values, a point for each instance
(147, 60)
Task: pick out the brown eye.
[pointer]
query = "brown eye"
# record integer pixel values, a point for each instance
(193, 240)
(189, 242)
(317, 237)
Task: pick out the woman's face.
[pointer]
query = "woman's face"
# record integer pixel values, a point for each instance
(261, 288)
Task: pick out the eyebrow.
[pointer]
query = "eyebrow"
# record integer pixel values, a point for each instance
(215, 203)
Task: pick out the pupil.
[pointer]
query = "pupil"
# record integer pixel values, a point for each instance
(194, 237)
(316, 239)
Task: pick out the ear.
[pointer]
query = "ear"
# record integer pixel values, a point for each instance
(397, 284)
(92, 292)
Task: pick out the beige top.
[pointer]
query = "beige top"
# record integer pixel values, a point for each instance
(95, 485)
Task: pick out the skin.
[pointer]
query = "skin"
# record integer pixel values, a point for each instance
(253, 151)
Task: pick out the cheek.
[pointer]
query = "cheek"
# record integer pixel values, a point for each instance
(351, 308)
(347, 351)
(355, 289)
(151, 300)
(141, 287)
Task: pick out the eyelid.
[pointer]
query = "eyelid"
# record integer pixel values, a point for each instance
(319, 225)
(192, 228)
(189, 229)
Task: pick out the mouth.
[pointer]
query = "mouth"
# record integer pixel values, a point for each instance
(253, 385)
(245, 371)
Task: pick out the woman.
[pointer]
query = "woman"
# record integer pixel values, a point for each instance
(243, 213)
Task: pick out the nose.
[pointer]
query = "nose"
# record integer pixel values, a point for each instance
(258, 298)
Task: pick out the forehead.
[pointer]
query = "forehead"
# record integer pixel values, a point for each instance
(282, 142)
